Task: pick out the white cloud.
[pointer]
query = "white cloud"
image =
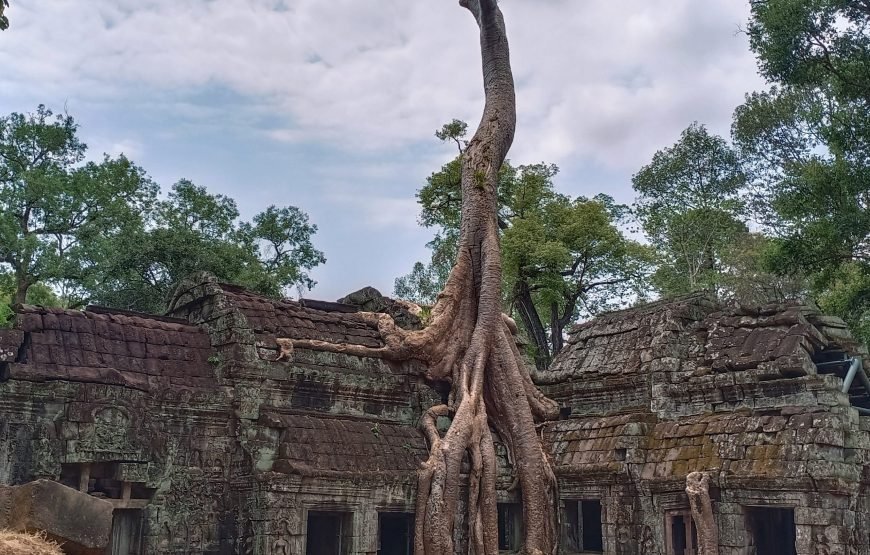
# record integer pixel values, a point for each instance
(398, 214)
(128, 147)
(598, 80)
(349, 92)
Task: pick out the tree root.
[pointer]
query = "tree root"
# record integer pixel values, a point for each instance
(698, 490)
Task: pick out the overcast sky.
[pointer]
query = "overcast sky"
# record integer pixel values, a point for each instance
(331, 105)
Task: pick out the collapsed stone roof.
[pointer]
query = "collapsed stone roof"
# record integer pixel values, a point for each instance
(274, 318)
(334, 446)
(139, 351)
(653, 356)
(752, 395)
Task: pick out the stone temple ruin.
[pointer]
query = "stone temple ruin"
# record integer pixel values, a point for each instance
(201, 432)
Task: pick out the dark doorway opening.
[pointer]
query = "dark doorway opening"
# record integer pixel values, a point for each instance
(509, 526)
(583, 525)
(328, 533)
(127, 527)
(396, 534)
(771, 530)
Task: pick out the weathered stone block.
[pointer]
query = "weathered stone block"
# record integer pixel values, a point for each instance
(62, 512)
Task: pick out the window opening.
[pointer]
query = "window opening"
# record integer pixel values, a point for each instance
(681, 536)
(328, 533)
(771, 530)
(509, 525)
(583, 530)
(126, 532)
(396, 534)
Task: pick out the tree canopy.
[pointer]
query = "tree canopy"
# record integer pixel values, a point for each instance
(192, 230)
(690, 206)
(101, 233)
(806, 144)
(52, 205)
(4, 21)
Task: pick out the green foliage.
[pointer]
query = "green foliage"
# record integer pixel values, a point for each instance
(848, 296)
(97, 232)
(454, 131)
(421, 285)
(690, 207)
(807, 143)
(38, 294)
(4, 21)
(562, 258)
(814, 43)
(193, 230)
(52, 206)
(574, 257)
(746, 274)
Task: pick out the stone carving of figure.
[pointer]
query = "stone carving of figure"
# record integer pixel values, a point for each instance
(281, 546)
(647, 545)
(698, 490)
(111, 426)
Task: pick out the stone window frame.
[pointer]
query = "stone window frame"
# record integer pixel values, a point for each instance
(350, 517)
(759, 504)
(690, 530)
(516, 515)
(394, 509)
(579, 500)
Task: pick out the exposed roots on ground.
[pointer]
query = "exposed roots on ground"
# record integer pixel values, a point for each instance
(471, 345)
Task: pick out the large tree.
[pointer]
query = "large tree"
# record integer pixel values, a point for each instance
(807, 142)
(471, 345)
(563, 258)
(192, 230)
(690, 206)
(52, 204)
(97, 232)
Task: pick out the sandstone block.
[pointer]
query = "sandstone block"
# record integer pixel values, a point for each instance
(66, 514)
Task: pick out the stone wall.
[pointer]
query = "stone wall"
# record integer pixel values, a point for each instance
(191, 419)
(217, 440)
(733, 392)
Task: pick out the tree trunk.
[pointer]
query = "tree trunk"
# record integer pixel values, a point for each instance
(532, 324)
(22, 286)
(556, 327)
(471, 345)
(698, 490)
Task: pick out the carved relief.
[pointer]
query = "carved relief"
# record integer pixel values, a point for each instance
(281, 545)
(647, 544)
(111, 430)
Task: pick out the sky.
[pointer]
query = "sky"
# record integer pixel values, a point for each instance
(332, 106)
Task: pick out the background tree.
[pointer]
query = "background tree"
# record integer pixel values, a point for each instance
(807, 143)
(38, 294)
(193, 230)
(746, 275)
(97, 232)
(51, 204)
(690, 207)
(563, 258)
